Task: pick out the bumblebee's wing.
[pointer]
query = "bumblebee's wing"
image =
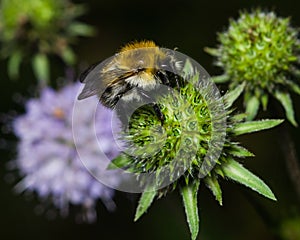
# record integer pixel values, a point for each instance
(86, 72)
(93, 80)
(97, 77)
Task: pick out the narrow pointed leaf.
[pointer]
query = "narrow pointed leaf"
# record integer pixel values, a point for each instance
(14, 63)
(120, 161)
(247, 96)
(81, 29)
(213, 184)
(252, 107)
(188, 69)
(219, 171)
(238, 173)
(264, 101)
(239, 117)
(239, 151)
(295, 87)
(144, 203)
(286, 101)
(79, 9)
(40, 66)
(212, 51)
(68, 56)
(230, 97)
(189, 195)
(254, 126)
(220, 79)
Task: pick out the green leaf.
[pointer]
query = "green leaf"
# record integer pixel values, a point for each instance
(286, 101)
(255, 126)
(235, 171)
(68, 56)
(239, 117)
(239, 151)
(40, 65)
(264, 101)
(78, 10)
(252, 106)
(230, 97)
(247, 96)
(219, 171)
(81, 29)
(220, 79)
(120, 161)
(14, 63)
(189, 195)
(295, 87)
(144, 203)
(212, 51)
(188, 69)
(213, 184)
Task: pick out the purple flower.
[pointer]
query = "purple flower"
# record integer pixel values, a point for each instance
(48, 158)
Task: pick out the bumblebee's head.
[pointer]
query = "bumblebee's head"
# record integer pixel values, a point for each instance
(143, 56)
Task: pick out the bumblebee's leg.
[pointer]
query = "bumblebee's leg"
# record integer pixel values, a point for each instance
(170, 79)
(154, 106)
(163, 77)
(158, 113)
(176, 78)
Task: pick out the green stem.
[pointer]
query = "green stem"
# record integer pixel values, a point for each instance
(287, 146)
(269, 219)
(290, 155)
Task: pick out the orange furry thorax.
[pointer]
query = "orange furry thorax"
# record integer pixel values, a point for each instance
(138, 44)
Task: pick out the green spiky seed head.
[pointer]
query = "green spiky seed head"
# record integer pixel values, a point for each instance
(261, 49)
(182, 139)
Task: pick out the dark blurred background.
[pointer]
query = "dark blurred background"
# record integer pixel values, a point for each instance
(189, 26)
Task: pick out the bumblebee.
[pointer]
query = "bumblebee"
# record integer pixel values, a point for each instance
(137, 69)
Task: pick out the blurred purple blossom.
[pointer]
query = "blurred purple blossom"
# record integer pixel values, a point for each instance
(47, 158)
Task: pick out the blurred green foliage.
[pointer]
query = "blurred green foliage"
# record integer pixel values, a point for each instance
(36, 29)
